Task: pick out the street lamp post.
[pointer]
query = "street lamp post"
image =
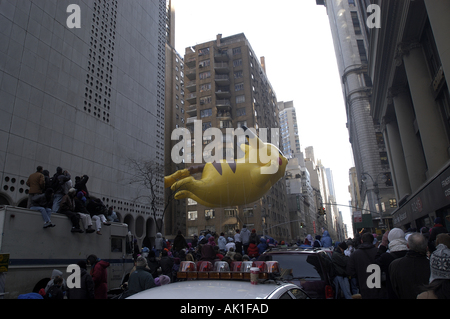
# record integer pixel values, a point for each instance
(376, 190)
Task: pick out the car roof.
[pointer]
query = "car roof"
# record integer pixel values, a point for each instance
(212, 289)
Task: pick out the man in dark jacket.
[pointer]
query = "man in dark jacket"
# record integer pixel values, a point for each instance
(140, 279)
(357, 267)
(340, 262)
(166, 263)
(408, 274)
(67, 207)
(86, 290)
(179, 242)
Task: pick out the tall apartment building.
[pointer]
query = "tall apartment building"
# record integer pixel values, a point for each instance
(174, 210)
(86, 99)
(409, 62)
(290, 141)
(366, 137)
(226, 87)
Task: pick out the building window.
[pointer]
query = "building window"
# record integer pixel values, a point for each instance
(205, 75)
(206, 125)
(238, 74)
(209, 213)
(384, 158)
(248, 212)
(229, 212)
(204, 63)
(392, 202)
(237, 62)
(240, 99)
(226, 124)
(362, 51)
(240, 112)
(204, 51)
(356, 25)
(205, 113)
(236, 51)
(239, 87)
(241, 124)
(205, 87)
(205, 100)
(192, 215)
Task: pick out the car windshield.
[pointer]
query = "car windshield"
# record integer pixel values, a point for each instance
(299, 266)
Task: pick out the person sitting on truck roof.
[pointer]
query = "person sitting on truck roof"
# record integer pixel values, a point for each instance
(83, 213)
(97, 209)
(61, 183)
(67, 207)
(43, 203)
(80, 184)
(36, 182)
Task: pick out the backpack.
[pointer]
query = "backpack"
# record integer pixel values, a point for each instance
(54, 292)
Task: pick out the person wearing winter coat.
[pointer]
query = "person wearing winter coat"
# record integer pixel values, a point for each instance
(340, 262)
(159, 244)
(36, 183)
(317, 242)
(153, 263)
(252, 250)
(67, 207)
(357, 267)
(222, 242)
(410, 273)
(394, 240)
(166, 263)
(437, 229)
(179, 242)
(439, 282)
(308, 240)
(55, 273)
(245, 238)
(140, 279)
(86, 290)
(326, 239)
(99, 276)
(262, 246)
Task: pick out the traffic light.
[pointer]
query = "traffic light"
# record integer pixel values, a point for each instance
(322, 211)
(302, 225)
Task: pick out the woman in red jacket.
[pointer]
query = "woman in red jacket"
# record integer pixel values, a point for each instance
(99, 276)
(252, 250)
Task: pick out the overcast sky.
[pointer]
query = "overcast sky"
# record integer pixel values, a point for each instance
(294, 37)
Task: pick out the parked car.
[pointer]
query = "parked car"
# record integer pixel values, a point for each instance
(222, 289)
(310, 269)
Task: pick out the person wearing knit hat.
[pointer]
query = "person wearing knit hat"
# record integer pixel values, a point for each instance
(439, 287)
(437, 229)
(140, 279)
(394, 240)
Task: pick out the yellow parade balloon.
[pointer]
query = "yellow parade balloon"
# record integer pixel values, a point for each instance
(235, 183)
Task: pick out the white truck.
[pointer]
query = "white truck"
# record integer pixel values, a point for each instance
(34, 251)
